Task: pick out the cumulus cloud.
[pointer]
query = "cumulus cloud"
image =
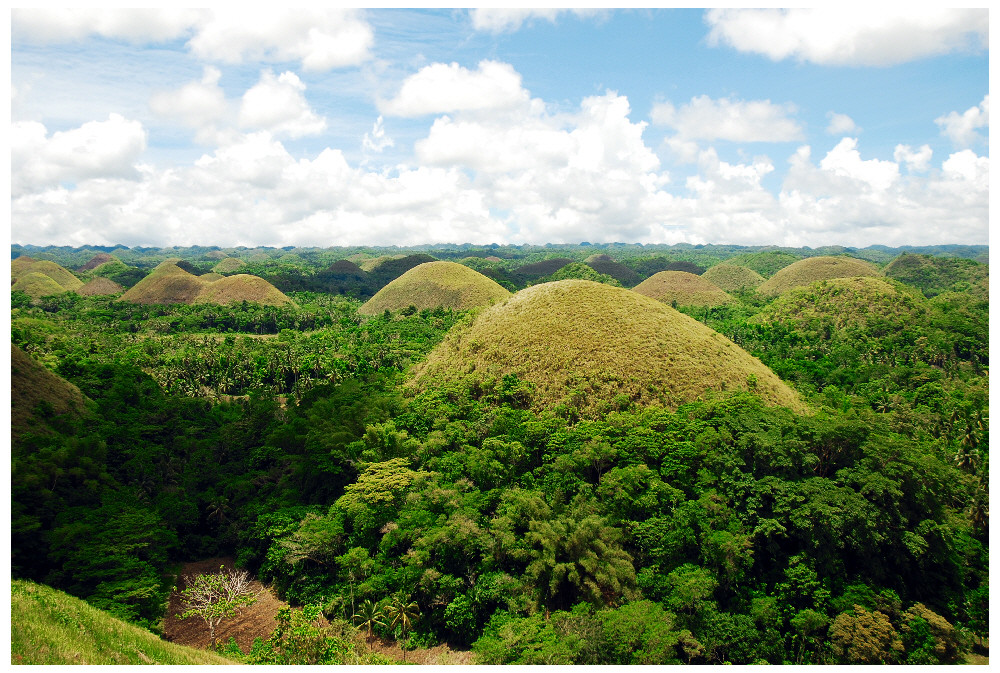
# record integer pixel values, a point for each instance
(446, 88)
(136, 26)
(377, 140)
(735, 120)
(915, 159)
(840, 124)
(961, 129)
(320, 39)
(876, 36)
(845, 160)
(199, 105)
(508, 20)
(94, 150)
(278, 104)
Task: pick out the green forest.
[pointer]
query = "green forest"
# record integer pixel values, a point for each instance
(585, 528)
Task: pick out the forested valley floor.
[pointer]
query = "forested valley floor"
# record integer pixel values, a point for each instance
(292, 440)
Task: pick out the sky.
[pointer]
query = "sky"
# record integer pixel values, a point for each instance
(333, 127)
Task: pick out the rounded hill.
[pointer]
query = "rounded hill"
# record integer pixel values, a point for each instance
(61, 275)
(36, 285)
(733, 278)
(606, 265)
(593, 346)
(229, 265)
(99, 286)
(433, 284)
(935, 275)
(859, 301)
(682, 287)
(807, 271)
(241, 287)
(167, 284)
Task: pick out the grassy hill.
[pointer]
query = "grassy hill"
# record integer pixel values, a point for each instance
(936, 275)
(37, 396)
(609, 267)
(808, 271)
(229, 265)
(682, 287)
(50, 627)
(847, 302)
(593, 347)
(61, 275)
(766, 263)
(733, 278)
(434, 284)
(37, 285)
(99, 286)
(96, 261)
(241, 287)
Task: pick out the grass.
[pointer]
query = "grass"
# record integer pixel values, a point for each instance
(64, 277)
(371, 264)
(96, 261)
(847, 302)
(99, 286)
(686, 289)
(807, 271)
(733, 278)
(433, 284)
(37, 285)
(241, 287)
(765, 263)
(50, 627)
(37, 395)
(936, 275)
(595, 347)
(229, 265)
(609, 267)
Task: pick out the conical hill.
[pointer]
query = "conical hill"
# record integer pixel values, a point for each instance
(866, 302)
(36, 285)
(808, 271)
(434, 284)
(594, 346)
(733, 278)
(99, 286)
(229, 265)
(682, 287)
(33, 387)
(166, 284)
(61, 275)
(241, 287)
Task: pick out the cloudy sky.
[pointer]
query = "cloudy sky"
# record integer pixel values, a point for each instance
(333, 127)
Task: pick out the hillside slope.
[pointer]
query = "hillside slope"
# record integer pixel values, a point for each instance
(808, 271)
(592, 346)
(682, 287)
(434, 284)
(50, 627)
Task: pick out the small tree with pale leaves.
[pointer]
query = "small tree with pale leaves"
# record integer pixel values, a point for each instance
(216, 596)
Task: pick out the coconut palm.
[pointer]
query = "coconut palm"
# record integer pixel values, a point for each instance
(369, 616)
(401, 613)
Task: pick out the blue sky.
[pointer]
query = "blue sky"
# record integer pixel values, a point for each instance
(334, 127)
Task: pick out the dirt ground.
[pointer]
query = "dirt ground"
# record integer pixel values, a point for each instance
(258, 621)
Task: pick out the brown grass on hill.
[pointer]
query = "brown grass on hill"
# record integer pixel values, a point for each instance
(61, 275)
(685, 288)
(372, 263)
(215, 254)
(37, 285)
(732, 278)
(593, 346)
(241, 287)
(433, 284)
(99, 286)
(492, 258)
(210, 277)
(847, 302)
(96, 261)
(807, 271)
(229, 265)
(19, 264)
(167, 284)
(31, 384)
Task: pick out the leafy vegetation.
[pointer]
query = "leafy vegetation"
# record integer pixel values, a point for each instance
(560, 478)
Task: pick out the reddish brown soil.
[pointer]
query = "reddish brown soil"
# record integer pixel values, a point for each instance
(258, 621)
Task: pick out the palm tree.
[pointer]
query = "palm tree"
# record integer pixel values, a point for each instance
(370, 616)
(402, 614)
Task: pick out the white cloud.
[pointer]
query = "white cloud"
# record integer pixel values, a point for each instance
(916, 160)
(278, 105)
(199, 105)
(840, 124)
(845, 160)
(508, 20)
(961, 128)
(724, 119)
(320, 39)
(446, 88)
(878, 36)
(377, 140)
(94, 150)
(137, 26)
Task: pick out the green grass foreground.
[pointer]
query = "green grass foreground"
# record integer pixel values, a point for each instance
(50, 627)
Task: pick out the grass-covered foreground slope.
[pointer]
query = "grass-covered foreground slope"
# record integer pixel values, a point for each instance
(682, 288)
(52, 628)
(808, 271)
(592, 346)
(434, 284)
(732, 277)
